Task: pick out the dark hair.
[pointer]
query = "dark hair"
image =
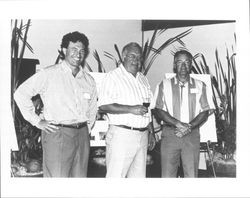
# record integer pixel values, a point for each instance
(74, 37)
(183, 52)
(130, 45)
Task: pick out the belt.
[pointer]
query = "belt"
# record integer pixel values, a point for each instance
(132, 128)
(73, 126)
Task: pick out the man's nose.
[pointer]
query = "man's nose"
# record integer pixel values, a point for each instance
(78, 54)
(183, 65)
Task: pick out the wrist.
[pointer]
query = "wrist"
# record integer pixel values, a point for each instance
(177, 124)
(129, 108)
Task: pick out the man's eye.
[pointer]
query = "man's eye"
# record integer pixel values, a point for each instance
(181, 62)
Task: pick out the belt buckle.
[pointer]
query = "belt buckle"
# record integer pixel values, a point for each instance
(77, 125)
(132, 128)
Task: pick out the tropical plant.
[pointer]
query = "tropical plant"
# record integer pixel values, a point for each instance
(18, 41)
(117, 62)
(101, 68)
(224, 98)
(149, 52)
(27, 136)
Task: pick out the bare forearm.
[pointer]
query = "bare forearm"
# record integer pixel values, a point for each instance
(166, 117)
(150, 127)
(199, 119)
(115, 108)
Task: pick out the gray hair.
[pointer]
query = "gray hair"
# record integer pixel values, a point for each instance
(131, 45)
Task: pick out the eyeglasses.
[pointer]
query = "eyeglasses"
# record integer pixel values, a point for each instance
(179, 63)
(134, 57)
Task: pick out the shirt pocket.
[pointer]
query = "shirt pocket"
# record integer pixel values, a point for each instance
(85, 97)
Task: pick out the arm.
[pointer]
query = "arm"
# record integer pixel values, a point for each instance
(123, 109)
(204, 108)
(23, 97)
(108, 98)
(93, 106)
(199, 119)
(166, 117)
(162, 113)
(151, 137)
(196, 122)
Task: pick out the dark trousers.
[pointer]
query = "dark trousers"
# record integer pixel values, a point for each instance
(66, 152)
(173, 149)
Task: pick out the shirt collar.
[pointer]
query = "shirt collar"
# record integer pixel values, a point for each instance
(128, 73)
(67, 69)
(176, 80)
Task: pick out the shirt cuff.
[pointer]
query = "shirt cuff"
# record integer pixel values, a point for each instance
(35, 120)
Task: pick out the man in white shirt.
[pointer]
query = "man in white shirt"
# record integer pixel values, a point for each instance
(130, 132)
(183, 106)
(70, 104)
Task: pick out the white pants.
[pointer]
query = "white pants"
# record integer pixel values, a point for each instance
(126, 152)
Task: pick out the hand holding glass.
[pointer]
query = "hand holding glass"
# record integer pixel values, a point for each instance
(146, 103)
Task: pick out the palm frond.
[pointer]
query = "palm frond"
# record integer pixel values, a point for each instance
(99, 62)
(110, 56)
(196, 66)
(60, 56)
(161, 31)
(27, 44)
(23, 46)
(88, 66)
(181, 42)
(118, 52)
(150, 44)
(154, 55)
(13, 40)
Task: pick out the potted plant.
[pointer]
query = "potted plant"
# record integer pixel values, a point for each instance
(28, 157)
(224, 97)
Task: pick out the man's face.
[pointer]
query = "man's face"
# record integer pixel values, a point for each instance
(75, 53)
(132, 59)
(183, 66)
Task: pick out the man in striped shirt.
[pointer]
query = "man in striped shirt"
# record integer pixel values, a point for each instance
(130, 133)
(182, 104)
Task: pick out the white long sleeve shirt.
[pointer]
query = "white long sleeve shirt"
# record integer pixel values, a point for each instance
(67, 99)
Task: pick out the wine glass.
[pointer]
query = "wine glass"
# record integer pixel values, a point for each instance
(146, 103)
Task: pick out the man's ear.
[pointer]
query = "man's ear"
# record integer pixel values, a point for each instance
(87, 53)
(174, 68)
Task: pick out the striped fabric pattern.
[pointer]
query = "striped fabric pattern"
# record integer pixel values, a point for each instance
(121, 87)
(168, 97)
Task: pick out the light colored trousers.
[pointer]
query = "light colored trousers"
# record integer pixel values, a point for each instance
(126, 152)
(66, 152)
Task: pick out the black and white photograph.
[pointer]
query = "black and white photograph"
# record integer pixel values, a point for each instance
(125, 104)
